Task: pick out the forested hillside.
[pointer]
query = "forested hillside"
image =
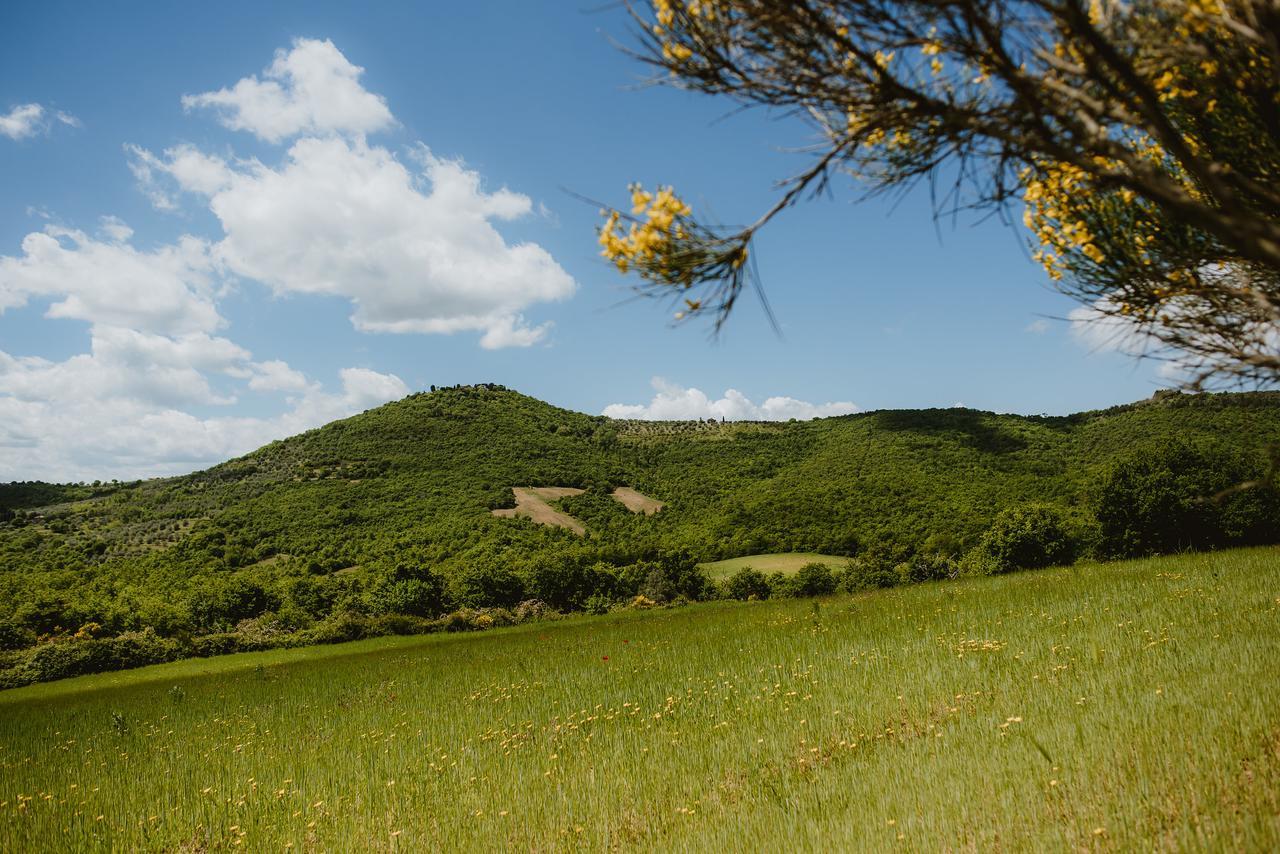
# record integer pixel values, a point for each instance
(387, 514)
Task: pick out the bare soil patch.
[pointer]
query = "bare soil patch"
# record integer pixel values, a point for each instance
(637, 502)
(531, 503)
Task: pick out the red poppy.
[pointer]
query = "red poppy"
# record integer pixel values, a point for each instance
(604, 658)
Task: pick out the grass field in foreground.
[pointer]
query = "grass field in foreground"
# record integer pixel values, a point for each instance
(788, 563)
(1116, 707)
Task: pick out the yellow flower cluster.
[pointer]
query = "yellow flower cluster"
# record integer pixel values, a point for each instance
(650, 238)
(1051, 216)
(664, 12)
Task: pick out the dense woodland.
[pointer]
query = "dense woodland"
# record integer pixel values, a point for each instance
(381, 523)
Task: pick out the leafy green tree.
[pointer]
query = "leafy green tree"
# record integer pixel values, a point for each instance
(412, 590)
(223, 602)
(567, 584)
(488, 585)
(747, 583)
(1180, 496)
(813, 579)
(1027, 537)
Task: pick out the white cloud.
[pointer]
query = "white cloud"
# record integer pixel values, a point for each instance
(30, 119)
(121, 409)
(117, 412)
(1039, 326)
(676, 403)
(276, 375)
(22, 121)
(116, 229)
(187, 165)
(511, 331)
(311, 89)
(166, 291)
(1103, 332)
(414, 252)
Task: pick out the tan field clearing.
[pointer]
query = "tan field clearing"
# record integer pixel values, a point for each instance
(531, 503)
(637, 502)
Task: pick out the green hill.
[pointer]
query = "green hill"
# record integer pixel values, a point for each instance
(389, 512)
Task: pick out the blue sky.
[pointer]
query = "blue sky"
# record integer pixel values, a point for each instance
(216, 230)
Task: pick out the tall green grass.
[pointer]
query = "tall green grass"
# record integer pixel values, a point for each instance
(788, 563)
(1117, 707)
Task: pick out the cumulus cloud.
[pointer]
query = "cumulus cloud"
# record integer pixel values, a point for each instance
(310, 89)
(1039, 326)
(122, 408)
(27, 120)
(672, 402)
(276, 375)
(413, 250)
(121, 411)
(188, 166)
(1101, 331)
(166, 291)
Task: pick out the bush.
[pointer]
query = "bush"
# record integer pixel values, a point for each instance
(674, 576)
(927, 566)
(488, 585)
(337, 628)
(866, 572)
(1027, 538)
(746, 583)
(567, 584)
(220, 603)
(813, 579)
(417, 592)
(14, 636)
(76, 657)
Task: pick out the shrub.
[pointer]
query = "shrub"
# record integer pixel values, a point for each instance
(532, 609)
(76, 657)
(746, 583)
(1027, 538)
(567, 584)
(813, 579)
(14, 636)
(866, 572)
(419, 597)
(927, 566)
(671, 579)
(336, 628)
(488, 585)
(226, 601)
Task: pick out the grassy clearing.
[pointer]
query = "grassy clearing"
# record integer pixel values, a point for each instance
(1116, 707)
(637, 502)
(532, 503)
(788, 563)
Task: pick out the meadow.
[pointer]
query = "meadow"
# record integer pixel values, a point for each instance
(788, 563)
(1102, 707)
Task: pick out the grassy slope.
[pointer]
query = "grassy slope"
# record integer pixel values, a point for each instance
(788, 563)
(1115, 707)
